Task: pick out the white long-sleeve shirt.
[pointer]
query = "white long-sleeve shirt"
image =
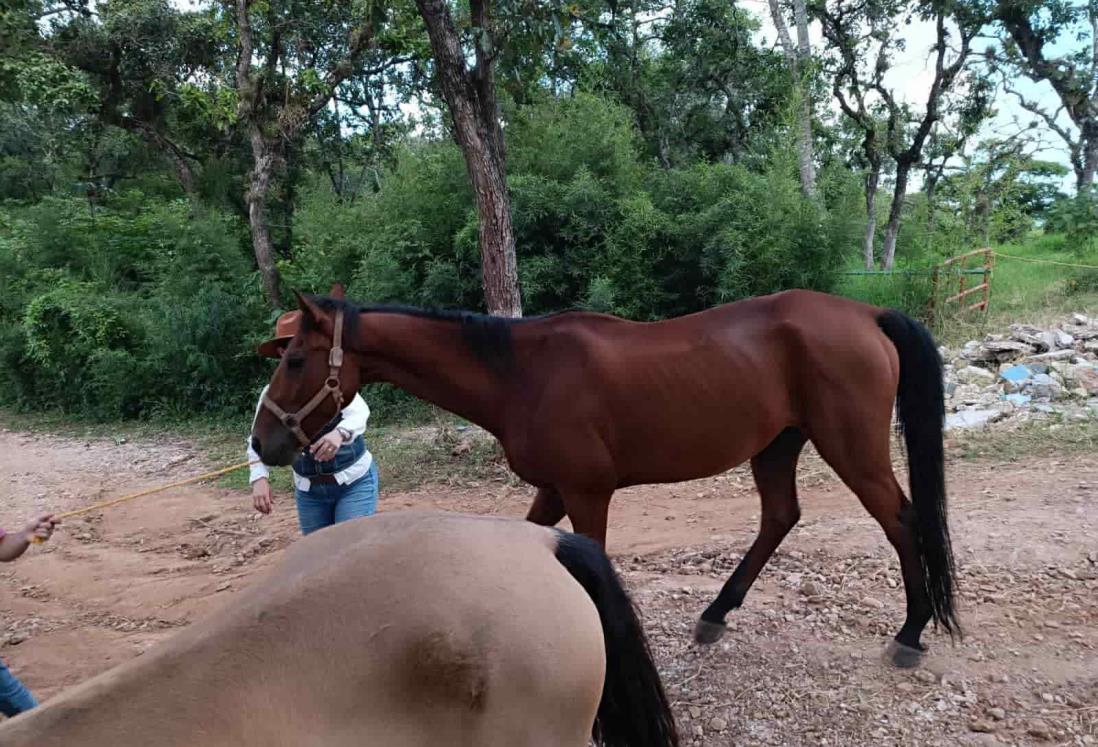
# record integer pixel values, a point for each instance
(354, 420)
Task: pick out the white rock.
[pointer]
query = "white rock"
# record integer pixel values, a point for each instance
(972, 418)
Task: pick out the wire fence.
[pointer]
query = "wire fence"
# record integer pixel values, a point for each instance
(953, 290)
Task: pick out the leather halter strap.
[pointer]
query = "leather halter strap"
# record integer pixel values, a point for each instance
(331, 388)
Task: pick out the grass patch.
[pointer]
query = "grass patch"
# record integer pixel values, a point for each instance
(1033, 439)
(446, 452)
(1024, 288)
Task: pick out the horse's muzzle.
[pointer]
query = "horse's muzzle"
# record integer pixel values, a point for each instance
(279, 449)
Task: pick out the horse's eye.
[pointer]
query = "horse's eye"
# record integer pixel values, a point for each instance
(295, 362)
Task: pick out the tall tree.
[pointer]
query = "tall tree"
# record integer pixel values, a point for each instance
(862, 41)
(697, 83)
(966, 96)
(999, 190)
(799, 58)
(1056, 43)
(470, 94)
(291, 60)
(142, 54)
(857, 30)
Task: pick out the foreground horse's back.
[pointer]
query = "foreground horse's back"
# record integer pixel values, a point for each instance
(402, 629)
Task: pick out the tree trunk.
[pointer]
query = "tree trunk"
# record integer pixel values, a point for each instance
(470, 96)
(931, 189)
(872, 179)
(888, 256)
(1089, 138)
(256, 197)
(805, 152)
(804, 55)
(797, 58)
(499, 264)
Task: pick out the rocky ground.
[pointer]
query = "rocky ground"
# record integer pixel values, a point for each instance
(1024, 373)
(800, 664)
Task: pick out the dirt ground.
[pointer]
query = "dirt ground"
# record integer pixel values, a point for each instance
(801, 664)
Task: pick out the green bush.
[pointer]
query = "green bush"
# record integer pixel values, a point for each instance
(595, 225)
(909, 291)
(145, 305)
(558, 139)
(120, 313)
(1076, 218)
(67, 325)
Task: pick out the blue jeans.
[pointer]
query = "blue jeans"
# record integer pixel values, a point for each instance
(14, 697)
(324, 505)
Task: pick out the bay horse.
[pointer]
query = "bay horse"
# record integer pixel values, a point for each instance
(586, 403)
(403, 630)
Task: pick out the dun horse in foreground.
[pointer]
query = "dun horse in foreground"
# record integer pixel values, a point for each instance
(403, 630)
(584, 404)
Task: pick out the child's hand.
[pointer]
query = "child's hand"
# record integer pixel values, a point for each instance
(41, 527)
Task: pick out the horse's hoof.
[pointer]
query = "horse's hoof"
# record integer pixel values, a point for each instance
(706, 632)
(903, 656)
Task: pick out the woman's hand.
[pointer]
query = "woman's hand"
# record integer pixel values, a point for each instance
(262, 498)
(40, 527)
(327, 445)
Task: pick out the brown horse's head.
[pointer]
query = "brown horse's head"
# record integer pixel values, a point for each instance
(305, 370)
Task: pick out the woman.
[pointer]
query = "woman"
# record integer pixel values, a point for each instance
(14, 696)
(335, 478)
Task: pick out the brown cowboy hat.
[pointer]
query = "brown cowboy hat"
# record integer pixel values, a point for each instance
(285, 329)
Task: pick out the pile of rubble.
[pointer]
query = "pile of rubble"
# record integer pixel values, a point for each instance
(1026, 373)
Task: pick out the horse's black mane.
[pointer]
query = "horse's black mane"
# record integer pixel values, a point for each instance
(489, 337)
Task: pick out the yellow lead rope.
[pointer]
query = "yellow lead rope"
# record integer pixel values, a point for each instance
(114, 501)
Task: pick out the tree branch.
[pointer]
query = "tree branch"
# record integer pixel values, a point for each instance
(944, 76)
(1092, 11)
(1078, 103)
(361, 40)
(1050, 119)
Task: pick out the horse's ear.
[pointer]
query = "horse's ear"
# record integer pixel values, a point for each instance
(337, 291)
(309, 307)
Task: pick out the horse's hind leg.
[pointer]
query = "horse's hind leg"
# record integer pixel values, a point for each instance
(775, 469)
(589, 511)
(860, 456)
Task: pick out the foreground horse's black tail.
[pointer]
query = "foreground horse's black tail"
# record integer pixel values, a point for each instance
(633, 711)
(920, 405)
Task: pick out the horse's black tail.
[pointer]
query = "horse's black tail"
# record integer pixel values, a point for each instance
(920, 405)
(634, 711)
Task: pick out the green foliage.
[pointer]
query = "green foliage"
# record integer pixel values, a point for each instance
(649, 160)
(47, 83)
(697, 85)
(908, 289)
(126, 313)
(596, 226)
(558, 139)
(1076, 218)
(395, 245)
